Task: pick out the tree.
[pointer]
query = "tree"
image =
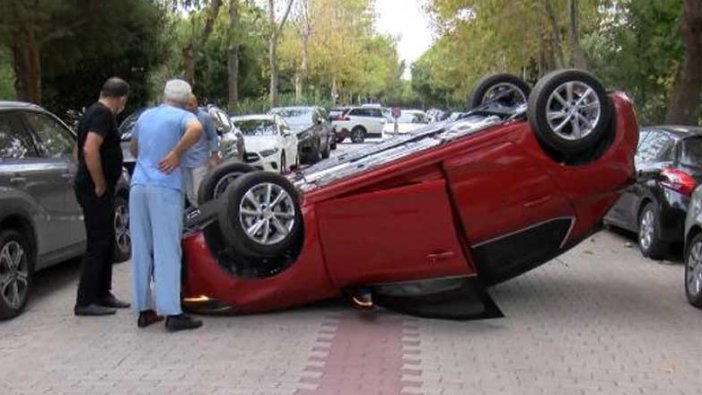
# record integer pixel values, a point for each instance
(275, 29)
(303, 27)
(233, 54)
(685, 98)
(579, 60)
(191, 48)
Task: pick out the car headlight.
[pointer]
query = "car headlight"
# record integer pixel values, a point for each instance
(268, 152)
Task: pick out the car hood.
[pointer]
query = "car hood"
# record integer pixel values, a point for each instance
(260, 143)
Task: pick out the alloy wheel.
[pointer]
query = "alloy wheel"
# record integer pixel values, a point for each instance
(506, 94)
(647, 229)
(573, 110)
(267, 213)
(122, 237)
(693, 274)
(14, 274)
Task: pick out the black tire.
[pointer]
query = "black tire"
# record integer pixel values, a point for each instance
(542, 101)
(334, 140)
(216, 181)
(358, 134)
(695, 298)
(484, 85)
(123, 243)
(10, 238)
(213, 235)
(231, 225)
(655, 248)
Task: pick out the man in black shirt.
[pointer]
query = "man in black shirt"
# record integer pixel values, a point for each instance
(99, 168)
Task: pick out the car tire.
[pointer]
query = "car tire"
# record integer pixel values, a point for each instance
(215, 183)
(250, 226)
(123, 242)
(334, 140)
(570, 112)
(358, 135)
(693, 272)
(648, 234)
(15, 274)
(515, 91)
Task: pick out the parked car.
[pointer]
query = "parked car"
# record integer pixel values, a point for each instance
(693, 250)
(425, 220)
(408, 121)
(359, 123)
(669, 166)
(41, 222)
(271, 144)
(231, 143)
(313, 130)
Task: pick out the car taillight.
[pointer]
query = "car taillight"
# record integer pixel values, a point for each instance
(342, 118)
(678, 180)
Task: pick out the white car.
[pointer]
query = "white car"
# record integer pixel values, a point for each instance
(408, 121)
(359, 123)
(270, 144)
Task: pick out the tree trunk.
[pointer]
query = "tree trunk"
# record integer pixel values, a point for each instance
(189, 63)
(273, 64)
(555, 34)
(27, 66)
(233, 55)
(576, 49)
(685, 98)
(191, 49)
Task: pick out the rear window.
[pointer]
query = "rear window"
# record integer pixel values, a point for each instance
(691, 153)
(256, 127)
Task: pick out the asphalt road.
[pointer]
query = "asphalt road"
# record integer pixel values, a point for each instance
(598, 320)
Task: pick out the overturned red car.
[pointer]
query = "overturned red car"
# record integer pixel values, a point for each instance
(426, 221)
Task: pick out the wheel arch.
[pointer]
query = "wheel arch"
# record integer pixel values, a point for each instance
(24, 225)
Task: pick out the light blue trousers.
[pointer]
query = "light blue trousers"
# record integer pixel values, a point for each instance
(156, 224)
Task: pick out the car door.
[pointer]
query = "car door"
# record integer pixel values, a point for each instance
(377, 121)
(361, 116)
(55, 144)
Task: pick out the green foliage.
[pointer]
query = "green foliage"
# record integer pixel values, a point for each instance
(7, 76)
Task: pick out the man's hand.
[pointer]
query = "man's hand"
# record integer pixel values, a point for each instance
(169, 163)
(214, 160)
(100, 190)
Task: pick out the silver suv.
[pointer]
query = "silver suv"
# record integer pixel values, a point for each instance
(41, 222)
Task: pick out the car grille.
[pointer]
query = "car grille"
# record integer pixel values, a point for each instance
(251, 157)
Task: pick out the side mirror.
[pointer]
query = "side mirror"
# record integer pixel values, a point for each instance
(221, 119)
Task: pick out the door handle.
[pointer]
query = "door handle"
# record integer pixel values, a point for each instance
(440, 256)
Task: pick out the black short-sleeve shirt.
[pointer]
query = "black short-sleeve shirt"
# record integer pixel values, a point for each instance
(99, 119)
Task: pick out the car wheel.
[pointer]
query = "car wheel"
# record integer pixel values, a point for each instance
(358, 134)
(212, 187)
(505, 90)
(333, 140)
(283, 164)
(123, 242)
(650, 242)
(216, 181)
(570, 112)
(693, 272)
(260, 215)
(16, 267)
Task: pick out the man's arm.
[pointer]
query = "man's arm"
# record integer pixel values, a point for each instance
(193, 131)
(134, 147)
(213, 141)
(91, 154)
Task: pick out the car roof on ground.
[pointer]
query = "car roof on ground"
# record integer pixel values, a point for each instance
(680, 131)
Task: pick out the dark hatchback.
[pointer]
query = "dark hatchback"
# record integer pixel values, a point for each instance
(669, 167)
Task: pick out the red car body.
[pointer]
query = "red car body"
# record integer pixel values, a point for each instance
(490, 205)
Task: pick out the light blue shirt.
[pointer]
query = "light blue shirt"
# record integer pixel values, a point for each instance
(158, 131)
(199, 153)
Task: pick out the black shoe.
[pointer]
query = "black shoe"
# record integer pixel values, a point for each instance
(93, 310)
(181, 322)
(147, 318)
(111, 301)
(361, 298)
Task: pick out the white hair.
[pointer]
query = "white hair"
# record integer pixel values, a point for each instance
(178, 91)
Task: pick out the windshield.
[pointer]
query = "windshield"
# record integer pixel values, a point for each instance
(127, 126)
(692, 152)
(295, 116)
(409, 117)
(256, 127)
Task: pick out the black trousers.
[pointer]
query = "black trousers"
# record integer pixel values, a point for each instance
(96, 271)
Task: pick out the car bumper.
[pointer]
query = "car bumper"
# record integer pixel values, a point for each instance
(258, 162)
(673, 210)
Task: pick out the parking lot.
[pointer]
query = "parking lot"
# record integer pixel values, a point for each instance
(598, 320)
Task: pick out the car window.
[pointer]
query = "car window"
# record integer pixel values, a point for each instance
(360, 112)
(691, 152)
(651, 148)
(375, 113)
(257, 127)
(54, 140)
(15, 142)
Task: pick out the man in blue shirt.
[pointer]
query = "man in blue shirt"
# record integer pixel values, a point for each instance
(159, 141)
(202, 155)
